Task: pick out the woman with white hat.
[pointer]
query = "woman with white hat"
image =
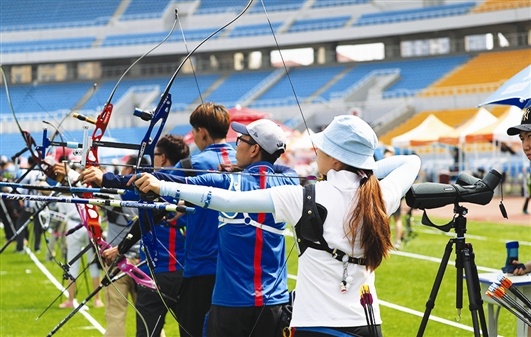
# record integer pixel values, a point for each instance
(355, 207)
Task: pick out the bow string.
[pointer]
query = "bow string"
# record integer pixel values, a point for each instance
(158, 118)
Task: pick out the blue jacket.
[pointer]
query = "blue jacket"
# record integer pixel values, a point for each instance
(251, 268)
(169, 246)
(201, 241)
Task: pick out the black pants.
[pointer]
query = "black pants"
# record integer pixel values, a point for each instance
(195, 298)
(243, 321)
(151, 307)
(37, 230)
(8, 216)
(358, 331)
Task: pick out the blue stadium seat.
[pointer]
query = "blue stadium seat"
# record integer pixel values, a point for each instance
(235, 86)
(49, 97)
(415, 75)
(306, 82)
(141, 9)
(429, 12)
(277, 6)
(154, 38)
(254, 30)
(336, 3)
(184, 90)
(216, 6)
(31, 15)
(44, 45)
(318, 24)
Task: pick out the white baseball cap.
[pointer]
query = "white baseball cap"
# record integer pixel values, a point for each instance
(266, 133)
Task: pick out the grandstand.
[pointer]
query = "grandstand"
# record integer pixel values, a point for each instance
(441, 57)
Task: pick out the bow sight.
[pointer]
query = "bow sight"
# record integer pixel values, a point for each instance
(466, 189)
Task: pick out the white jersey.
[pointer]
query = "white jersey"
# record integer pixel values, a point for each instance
(319, 300)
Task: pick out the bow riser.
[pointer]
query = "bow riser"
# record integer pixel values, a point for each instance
(101, 125)
(160, 116)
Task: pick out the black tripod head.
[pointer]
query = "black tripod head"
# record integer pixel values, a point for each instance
(467, 188)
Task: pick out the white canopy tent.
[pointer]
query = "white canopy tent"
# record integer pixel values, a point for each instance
(498, 130)
(481, 119)
(427, 132)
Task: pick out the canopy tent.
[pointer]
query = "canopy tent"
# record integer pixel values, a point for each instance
(425, 133)
(497, 131)
(244, 116)
(481, 119)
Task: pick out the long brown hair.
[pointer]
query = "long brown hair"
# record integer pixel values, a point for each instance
(375, 236)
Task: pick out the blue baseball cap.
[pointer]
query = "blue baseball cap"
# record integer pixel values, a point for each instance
(350, 140)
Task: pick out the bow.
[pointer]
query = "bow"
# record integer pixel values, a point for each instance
(157, 119)
(30, 143)
(89, 212)
(37, 160)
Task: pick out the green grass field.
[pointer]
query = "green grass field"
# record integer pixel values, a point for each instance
(403, 282)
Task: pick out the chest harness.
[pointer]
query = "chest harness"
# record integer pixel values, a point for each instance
(309, 233)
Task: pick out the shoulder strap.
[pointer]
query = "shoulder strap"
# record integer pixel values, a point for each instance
(186, 163)
(313, 230)
(309, 229)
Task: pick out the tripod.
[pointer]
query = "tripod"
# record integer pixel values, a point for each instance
(464, 262)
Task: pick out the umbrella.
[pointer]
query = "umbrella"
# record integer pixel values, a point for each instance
(515, 91)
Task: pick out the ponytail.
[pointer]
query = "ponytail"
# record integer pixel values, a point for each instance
(375, 235)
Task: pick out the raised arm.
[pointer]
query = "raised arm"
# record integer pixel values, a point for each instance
(258, 201)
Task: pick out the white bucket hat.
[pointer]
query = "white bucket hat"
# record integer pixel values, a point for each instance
(350, 140)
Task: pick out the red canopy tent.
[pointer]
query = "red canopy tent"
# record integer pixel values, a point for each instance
(244, 116)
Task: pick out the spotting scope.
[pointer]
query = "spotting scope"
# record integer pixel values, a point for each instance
(467, 188)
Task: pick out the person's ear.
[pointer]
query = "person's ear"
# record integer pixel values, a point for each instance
(256, 151)
(203, 134)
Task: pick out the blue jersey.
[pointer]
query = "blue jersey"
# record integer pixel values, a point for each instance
(170, 237)
(201, 242)
(251, 268)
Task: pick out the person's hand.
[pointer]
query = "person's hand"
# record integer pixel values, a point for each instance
(229, 168)
(520, 270)
(110, 254)
(145, 183)
(60, 170)
(93, 175)
(177, 215)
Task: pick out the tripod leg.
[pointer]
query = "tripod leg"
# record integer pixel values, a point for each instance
(459, 277)
(474, 293)
(430, 304)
